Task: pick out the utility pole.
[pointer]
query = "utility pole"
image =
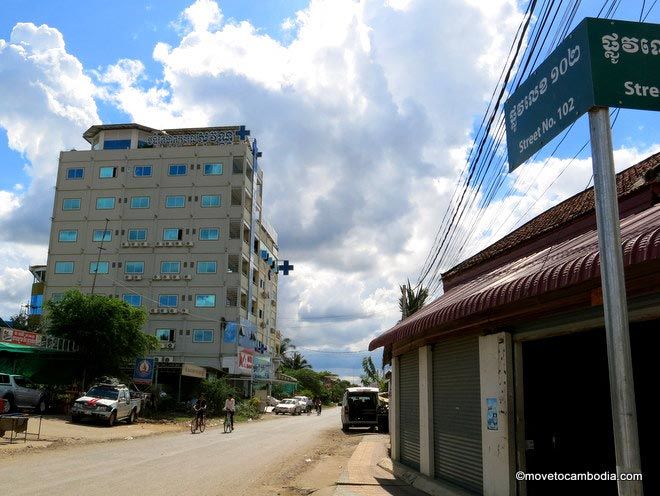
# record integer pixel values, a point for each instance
(98, 258)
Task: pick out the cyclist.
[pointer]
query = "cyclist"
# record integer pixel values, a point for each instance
(230, 407)
(200, 408)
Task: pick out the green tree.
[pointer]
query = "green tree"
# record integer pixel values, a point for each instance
(309, 382)
(411, 301)
(107, 330)
(296, 362)
(216, 392)
(24, 322)
(372, 375)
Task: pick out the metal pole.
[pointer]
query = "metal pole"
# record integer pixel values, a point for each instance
(622, 390)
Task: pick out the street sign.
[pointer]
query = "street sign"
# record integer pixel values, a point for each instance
(601, 63)
(143, 371)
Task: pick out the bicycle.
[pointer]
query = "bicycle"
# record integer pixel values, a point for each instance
(198, 423)
(228, 424)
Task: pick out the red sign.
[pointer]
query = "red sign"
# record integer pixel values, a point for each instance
(245, 360)
(17, 336)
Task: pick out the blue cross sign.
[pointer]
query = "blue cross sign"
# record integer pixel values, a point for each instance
(285, 267)
(242, 132)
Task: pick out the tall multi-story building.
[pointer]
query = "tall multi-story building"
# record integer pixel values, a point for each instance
(171, 220)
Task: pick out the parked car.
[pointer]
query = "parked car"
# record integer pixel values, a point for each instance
(306, 403)
(20, 392)
(290, 406)
(107, 402)
(359, 408)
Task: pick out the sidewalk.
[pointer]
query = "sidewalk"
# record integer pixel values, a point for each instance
(364, 477)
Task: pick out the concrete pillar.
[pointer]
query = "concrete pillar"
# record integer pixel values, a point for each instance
(497, 414)
(394, 410)
(425, 411)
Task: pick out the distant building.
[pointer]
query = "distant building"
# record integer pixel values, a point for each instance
(37, 291)
(507, 371)
(172, 221)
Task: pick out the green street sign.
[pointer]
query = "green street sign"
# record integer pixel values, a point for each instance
(602, 63)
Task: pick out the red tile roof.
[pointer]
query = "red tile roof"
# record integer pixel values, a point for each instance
(556, 267)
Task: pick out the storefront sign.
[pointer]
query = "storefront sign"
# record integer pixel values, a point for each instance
(190, 370)
(261, 367)
(602, 63)
(492, 422)
(16, 336)
(245, 360)
(143, 371)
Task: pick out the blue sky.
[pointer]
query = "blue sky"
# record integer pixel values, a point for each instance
(364, 111)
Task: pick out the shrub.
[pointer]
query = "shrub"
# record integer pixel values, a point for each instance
(216, 392)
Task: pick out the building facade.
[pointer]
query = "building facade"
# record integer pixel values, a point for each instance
(172, 221)
(504, 378)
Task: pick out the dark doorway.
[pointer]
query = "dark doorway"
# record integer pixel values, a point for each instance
(568, 417)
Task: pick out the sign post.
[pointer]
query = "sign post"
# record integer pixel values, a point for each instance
(622, 388)
(602, 63)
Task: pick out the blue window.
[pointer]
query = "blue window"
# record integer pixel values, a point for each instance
(170, 267)
(144, 144)
(172, 234)
(101, 235)
(209, 234)
(210, 201)
(207, 267)
(117, 144)
(64, 267)
(178, 201)
(134, 268)
(107, 172)
(142, 171)
(71, 204)
(77, 173)
(202, 335)
(105, 203)
(140, 202)
(177, 170)
(205, 300)
(68, 236)
(168, 300)
(99, 267)
(212, 169)
(165, 334)
(133, 300)
(137, 234)
(36, 304)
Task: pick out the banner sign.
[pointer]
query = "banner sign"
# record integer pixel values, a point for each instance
(16, 336)
(261, 367)
(231, 330)
(601, 63)
(143, 371)
(245, 361)
(190, 370)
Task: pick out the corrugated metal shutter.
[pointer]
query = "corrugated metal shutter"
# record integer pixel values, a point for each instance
(457, 413)
(409, 408)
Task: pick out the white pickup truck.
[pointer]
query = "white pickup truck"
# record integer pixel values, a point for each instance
(107, 402)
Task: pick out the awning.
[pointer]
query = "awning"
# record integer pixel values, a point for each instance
(556, 267)
(20, 348)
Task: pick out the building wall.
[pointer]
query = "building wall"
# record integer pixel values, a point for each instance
(189, 250)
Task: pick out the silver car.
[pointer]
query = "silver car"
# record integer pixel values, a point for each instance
(20, 392)
(289, 406)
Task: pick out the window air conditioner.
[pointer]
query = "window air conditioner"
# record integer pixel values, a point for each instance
(172, 310)
(190, 243)
(162, 310)
(168, 359)
(187, 277)
(159, 243)
(157, 277)
(125, 244)
(171, 346)
(167, 277)
(153, 310)
(185, 311)
(169, 243)
(145, 244)
(135, 243)
(178, 243)
(128, 277)
(176, 277)
(137, 278)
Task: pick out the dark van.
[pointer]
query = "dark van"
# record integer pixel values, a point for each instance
(359, 408)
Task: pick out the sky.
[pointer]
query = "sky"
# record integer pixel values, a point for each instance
(364, 111)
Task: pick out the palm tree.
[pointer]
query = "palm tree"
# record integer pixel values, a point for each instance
(296, 362)
(411, 300)
(285, 345)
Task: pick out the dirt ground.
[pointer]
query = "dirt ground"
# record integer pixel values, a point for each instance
(314, 472)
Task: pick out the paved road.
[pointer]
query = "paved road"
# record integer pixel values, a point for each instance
(212, 463)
